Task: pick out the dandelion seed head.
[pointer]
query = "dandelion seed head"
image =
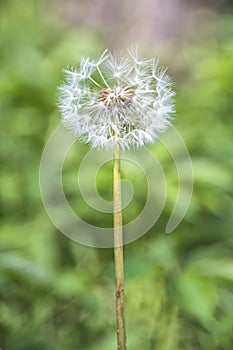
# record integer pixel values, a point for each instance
(125, 100)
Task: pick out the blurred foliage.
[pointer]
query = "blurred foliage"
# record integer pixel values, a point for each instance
(55, 294)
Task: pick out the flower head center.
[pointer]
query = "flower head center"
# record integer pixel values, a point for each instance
(117, 97)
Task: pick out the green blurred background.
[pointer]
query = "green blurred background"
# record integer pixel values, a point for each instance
(56, 294)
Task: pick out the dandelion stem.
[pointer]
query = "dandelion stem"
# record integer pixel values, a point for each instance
(118, 252)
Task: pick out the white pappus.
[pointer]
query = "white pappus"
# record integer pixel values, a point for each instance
(125, 100)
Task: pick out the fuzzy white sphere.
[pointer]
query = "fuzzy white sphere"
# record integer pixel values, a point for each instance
(125, 100)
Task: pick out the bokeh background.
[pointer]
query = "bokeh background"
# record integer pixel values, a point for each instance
(58, 295)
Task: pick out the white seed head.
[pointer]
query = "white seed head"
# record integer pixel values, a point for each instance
(125, 100)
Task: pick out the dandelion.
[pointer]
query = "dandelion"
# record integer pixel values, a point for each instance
(117, 100)
(119, 103)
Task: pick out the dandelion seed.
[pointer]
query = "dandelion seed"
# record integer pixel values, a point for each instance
(125, 100)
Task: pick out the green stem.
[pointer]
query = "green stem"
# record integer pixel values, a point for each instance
(118, 251)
